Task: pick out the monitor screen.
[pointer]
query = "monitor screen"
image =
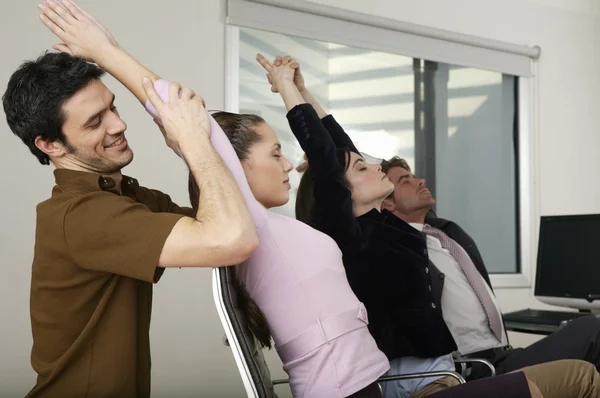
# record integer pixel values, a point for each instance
(568, 260)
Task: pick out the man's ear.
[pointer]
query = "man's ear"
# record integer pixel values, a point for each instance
(389, 205)
(51, 148)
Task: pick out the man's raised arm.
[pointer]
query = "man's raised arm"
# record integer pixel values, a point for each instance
(222, 232)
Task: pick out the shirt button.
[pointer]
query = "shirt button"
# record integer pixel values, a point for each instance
(130, 181)
(425, 251)
(426, 270)
(429, 287)
(433, 305)
(442, 276)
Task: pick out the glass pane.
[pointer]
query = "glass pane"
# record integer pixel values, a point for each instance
(475, 160)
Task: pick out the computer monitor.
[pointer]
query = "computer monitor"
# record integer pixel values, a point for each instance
(568, 261)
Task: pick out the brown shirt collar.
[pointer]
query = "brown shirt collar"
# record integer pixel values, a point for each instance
(91, 181)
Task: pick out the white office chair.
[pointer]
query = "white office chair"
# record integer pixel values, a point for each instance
(249, 357)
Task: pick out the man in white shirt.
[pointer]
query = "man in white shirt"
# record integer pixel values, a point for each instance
(469, 307)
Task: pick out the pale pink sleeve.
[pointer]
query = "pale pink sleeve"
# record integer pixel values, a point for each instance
(223, 147)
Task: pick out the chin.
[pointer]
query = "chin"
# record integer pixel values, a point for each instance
(283, 200)
(277, 201)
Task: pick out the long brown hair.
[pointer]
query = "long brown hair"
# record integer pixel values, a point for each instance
(239, 129)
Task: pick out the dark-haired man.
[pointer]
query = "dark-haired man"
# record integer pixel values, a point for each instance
(469, 306)
(102, 240)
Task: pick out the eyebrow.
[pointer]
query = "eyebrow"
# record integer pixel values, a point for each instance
(95, 116)
(358, 160)
(405, 176)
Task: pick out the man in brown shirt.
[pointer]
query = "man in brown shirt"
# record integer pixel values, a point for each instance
(102, 240)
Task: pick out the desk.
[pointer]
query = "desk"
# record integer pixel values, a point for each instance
(523, 327)
(541, 322)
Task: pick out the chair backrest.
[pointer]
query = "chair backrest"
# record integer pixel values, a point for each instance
(248, 355)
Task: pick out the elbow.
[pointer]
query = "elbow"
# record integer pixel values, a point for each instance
(240, 243)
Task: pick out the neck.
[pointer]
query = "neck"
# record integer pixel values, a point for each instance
(416, 217)
(362, 208)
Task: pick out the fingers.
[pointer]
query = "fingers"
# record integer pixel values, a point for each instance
(201, 100)
(51, 14)
(74, 9)
(152, 95)
(174, 91)
(187, 93)
(265, 63)
(283, 61)
(61, 9)
(63, 48)
(54, 28)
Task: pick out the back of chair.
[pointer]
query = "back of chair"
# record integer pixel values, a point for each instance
(248, 355)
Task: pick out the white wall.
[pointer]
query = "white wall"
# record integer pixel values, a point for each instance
(186, 43)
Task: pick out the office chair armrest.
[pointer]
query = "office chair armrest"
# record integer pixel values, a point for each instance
(422, 375)
(385, 379)
(477, 360)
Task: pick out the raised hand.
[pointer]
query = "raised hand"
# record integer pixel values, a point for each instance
(298, 77)
(278, 73)
(183, 116)
(80, 33)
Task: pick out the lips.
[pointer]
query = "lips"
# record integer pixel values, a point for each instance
(116, 142)
(287, 184)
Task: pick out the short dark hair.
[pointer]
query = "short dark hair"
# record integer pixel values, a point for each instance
(396, 161)
(36, 93)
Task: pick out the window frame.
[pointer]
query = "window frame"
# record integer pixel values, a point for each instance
(527, 203)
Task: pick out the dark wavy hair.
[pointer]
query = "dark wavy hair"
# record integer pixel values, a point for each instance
(307, 209)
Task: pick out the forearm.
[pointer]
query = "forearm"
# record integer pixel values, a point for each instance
(308, 97)
(290, 95)
(126, 69)
(221, 207)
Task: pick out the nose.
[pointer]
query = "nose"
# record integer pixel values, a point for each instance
(420, 182)
(378, 167)
(287, 165)
(117, 125)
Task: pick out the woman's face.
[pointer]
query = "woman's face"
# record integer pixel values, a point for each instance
(368, 184)
(267, 169)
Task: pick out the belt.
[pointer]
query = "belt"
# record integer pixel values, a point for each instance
(323, 332)
(489, 353)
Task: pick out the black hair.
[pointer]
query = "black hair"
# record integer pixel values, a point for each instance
(36, 93)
